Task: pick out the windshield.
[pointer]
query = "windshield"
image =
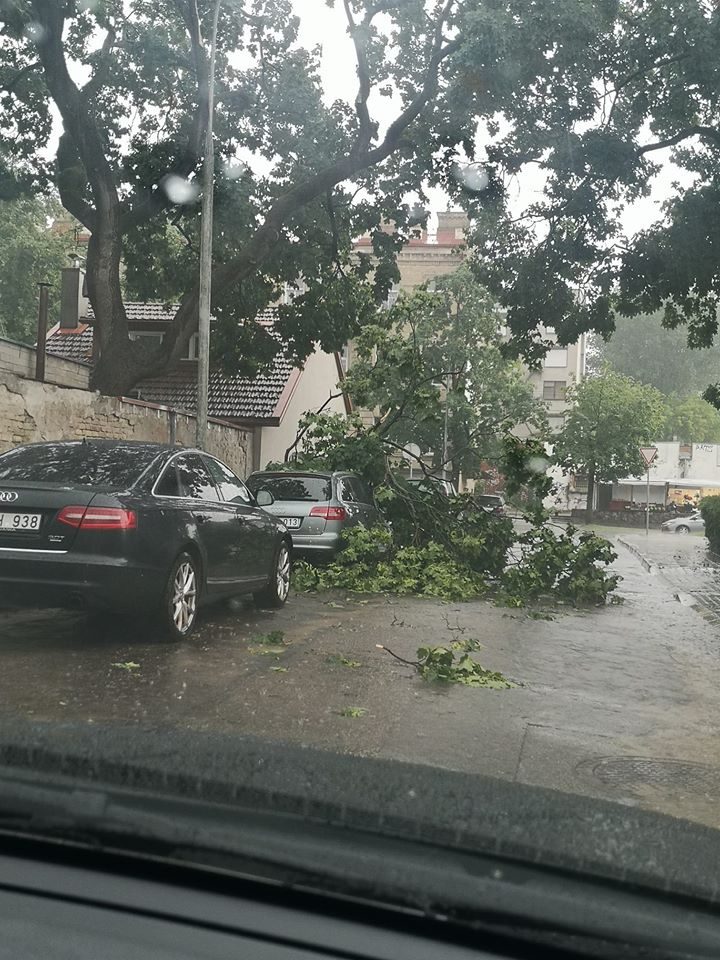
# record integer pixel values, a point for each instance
(84, 464)
(315, 489)
(407, 315)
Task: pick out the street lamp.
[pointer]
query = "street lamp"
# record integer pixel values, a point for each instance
(206, 238)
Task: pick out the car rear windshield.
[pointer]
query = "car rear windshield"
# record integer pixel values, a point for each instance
(77, 464)
(489, 500)
(293, 487)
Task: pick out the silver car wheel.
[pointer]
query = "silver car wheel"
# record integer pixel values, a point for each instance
(184, 598)
(283, 573)
(682, 530)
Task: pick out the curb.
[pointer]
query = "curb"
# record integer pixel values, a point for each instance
(649, 566)
(686, 599)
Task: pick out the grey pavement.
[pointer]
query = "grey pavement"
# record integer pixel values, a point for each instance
(620, 703)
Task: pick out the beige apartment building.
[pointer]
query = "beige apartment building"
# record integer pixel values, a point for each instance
(429, 255)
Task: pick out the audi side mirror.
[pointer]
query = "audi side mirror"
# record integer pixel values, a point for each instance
(264, 498)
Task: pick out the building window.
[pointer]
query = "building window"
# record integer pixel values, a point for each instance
(192, 351)
(391, 299)
(557, 357)
(579, 483)
(554, 389)
(345, 357)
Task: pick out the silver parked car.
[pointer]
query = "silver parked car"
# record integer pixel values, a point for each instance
(689, 524)
(316, 507)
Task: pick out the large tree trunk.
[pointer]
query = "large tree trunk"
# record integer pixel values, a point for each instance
(590, 491)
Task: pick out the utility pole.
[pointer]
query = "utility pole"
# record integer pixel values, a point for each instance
(206, 238)
(446, 467)
(42, 332)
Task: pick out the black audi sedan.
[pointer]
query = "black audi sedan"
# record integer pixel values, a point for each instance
(135, 528)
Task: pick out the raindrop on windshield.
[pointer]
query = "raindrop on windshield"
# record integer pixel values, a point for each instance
(34, 31)
(179, 190)
(472, 176)
(234, 169)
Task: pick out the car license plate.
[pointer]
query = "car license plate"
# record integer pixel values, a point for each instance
(292, 523)
(20, 522)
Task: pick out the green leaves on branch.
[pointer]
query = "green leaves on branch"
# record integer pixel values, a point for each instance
(710, 510)
(540, 565)
(565, 566)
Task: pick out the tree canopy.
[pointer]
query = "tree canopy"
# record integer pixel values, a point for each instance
(29, 254)
(643, 349)
(297, 176)
(434, 361)
(624, 82)
(691, 420)
(611, 417)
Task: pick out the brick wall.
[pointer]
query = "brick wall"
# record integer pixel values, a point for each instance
(31, 411)
(19, 360)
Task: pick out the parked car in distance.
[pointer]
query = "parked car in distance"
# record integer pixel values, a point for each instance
(136, 528)
(684, 525)
(445, 486)
(491, 503)
(316, 507)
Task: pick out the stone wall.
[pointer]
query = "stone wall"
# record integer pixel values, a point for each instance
(31, 411)
(19, 360)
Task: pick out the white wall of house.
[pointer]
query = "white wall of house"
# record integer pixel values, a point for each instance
(317, 382)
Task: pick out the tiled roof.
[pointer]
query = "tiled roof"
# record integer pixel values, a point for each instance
(231, 398)
(145, 312)
(74, 344)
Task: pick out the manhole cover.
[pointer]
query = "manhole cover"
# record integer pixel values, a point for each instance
(657, 772)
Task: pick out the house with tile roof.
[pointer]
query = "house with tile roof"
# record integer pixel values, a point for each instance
(269, 405)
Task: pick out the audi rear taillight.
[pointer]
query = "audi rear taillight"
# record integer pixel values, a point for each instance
(98, 518)
(329, 513)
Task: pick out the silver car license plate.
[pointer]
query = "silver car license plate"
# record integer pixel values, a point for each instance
(21, 522)
(292, 523)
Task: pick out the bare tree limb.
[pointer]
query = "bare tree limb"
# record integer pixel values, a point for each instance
(706, 133)
(359, 35)
(301, 433)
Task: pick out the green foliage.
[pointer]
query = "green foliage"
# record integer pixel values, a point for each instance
(332, 441)
(29, 253)
(710, 510)
(566, 567)
(338, 660)
(317, 171)
(613, 83)
(436, 360)
(271, 639)
(353, 712)
(692, 420)
(370, 563)
(643, 348)
(443, 665)
(452, 663)
(563, 567)
(611, 417)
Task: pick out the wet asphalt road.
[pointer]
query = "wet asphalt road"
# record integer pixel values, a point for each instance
(620, 703)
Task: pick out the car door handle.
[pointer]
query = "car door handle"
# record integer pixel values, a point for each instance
(201, 517)
(241, 518)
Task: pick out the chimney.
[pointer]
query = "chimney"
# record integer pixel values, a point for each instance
(73, 301)
(452, 227)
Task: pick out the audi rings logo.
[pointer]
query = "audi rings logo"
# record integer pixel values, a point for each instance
(8, 496)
